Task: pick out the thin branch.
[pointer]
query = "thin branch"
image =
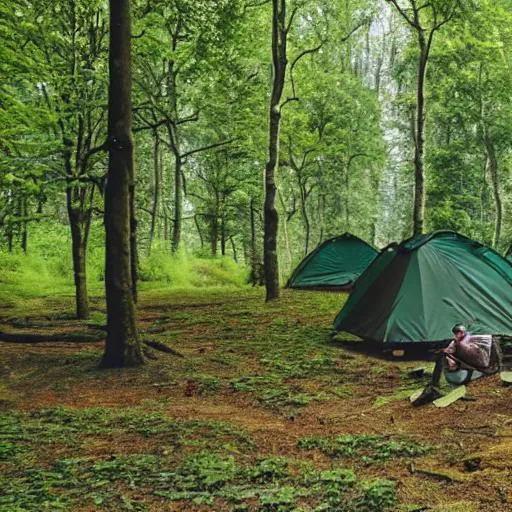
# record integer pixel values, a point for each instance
(205, 148)
(290, 21)
(353, 31)
(288, 100)
(257, 4)
(293, 64)
(191, 118)
(403, 14)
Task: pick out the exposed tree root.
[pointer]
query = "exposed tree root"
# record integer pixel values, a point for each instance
(48, 338)
(162, 347)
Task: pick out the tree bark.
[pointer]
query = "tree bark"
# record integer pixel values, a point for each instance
(492, 166)
(79, 251)
(222, 236)
(174, 138)
(156, 189)
(254, 276)
(24, 223)
(178, 203)
(285, 229)
(214, 234)
(134, 249)
(233, 248)
(419, 178)
(122, 347)
(271, 218)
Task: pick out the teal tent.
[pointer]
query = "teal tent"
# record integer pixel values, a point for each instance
(333, 265)
(508, 254)
(416, 292)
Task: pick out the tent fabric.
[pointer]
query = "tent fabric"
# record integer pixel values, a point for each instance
(416, 291)
(335, 264)
(508, 254)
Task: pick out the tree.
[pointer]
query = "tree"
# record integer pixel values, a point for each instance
(425, 20)
(58, 80)
(122, 346)
(471, 134)
(187, 33)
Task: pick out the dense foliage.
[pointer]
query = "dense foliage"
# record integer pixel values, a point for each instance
(201, 84)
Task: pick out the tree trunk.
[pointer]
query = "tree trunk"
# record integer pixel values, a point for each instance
(178, 200)
(122, 347)
(79, 251)
(223, 236)
(254, 276)
(199, 232)
(305, 217)
(419, 178)
(233, 248)
(214, 234)
(9, 236)
(155, 189)
(23, 223)
(285, 229)
(174, 138)
(492, 166)
(134, 250)
(271, 218)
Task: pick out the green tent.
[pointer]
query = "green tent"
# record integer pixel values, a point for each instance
(333, 265)
(416, 292)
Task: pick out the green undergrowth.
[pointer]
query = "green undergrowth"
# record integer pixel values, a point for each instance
(69, 426)
(369, 449)
(46, 268)
(210, 463)
(184, 270)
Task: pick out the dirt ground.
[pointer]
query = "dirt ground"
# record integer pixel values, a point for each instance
(250, 381)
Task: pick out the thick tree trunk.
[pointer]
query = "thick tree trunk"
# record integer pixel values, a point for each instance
(155, 189)
(271, 218)
(134, 250)
(122, 347)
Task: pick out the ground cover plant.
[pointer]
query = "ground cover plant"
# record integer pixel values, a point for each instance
(254, 409)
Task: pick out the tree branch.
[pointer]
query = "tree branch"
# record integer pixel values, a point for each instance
(404, 15)
(206, 148)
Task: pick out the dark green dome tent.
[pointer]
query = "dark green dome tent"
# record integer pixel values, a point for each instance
(416, 292)
(333, 265)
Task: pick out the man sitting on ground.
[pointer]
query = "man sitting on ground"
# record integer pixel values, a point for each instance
(474, 350)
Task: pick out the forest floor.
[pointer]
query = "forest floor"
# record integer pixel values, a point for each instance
(256, 410)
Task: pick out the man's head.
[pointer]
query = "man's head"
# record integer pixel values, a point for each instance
(459, 331)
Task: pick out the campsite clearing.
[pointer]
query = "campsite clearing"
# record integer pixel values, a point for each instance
(260, 413)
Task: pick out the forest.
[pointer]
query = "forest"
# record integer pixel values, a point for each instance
(166, 169)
